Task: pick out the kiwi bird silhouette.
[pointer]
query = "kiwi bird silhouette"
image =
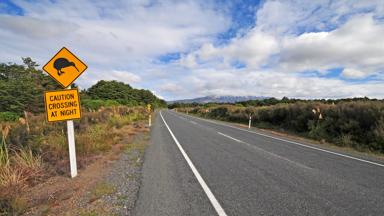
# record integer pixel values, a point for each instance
(62, 63)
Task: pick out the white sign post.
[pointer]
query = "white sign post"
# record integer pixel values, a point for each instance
(250, 119)
(71, 147)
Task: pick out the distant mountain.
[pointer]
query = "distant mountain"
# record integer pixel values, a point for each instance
(218, 99)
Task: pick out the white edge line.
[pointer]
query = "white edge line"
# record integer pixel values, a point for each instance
(293, 142)
(230, 137)
(216, 205)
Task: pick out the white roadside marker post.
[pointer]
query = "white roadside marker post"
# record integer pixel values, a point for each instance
(249, 123)
(149, 120)
(71, 146)
(149, 109)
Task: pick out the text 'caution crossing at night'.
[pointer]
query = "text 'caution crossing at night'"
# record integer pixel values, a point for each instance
(62, 105)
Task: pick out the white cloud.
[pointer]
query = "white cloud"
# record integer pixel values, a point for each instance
(90, 77)
(188, 61)
(170, 87)
(36, 28)
(353, 73)
(124, 76)
(252, 49)
(294, 16)
(357, 44)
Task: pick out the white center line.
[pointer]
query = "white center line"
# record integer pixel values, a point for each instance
(266, 152)
(216, 205)
(230, 137)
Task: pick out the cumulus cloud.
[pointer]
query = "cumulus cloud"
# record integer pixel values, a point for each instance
(91, 77)
(352, 73)
(36, 28)
(124, 76)
(293, 17)
(252, 49)
(170, 87)
(357, 44)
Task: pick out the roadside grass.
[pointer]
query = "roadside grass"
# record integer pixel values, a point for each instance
(101, 189)
(14, 206)
(89, 213)
(137, 149)
(135, 146)
(33, 150)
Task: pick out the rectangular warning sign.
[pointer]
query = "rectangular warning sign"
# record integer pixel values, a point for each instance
(62, 105)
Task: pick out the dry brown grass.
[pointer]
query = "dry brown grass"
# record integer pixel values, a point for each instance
(32, 150)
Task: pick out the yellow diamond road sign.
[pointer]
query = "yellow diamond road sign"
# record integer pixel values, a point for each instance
(62, 105)
(65, 67)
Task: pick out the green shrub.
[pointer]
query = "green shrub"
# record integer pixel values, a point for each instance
(94, 105)
(8, 116)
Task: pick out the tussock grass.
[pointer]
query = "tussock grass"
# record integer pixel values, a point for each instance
(25, 159)
(11, 177)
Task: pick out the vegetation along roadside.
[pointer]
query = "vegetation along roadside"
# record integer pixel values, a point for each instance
(34, 166)
(357, 123)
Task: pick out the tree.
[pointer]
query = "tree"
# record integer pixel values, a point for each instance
(22, 87)
(122, 93)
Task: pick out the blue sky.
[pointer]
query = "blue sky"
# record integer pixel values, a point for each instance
(192, 48)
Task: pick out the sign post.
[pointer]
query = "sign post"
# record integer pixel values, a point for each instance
(149, 111)
(72, 148)
(64, 105)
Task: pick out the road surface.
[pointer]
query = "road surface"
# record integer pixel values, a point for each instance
(200, 167)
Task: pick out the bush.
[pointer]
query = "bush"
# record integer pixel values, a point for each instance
(8, 116)
(94, 105)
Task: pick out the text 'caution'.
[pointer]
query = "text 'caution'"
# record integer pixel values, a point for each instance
(62, 105)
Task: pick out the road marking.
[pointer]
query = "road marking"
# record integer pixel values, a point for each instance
(267, 152)
(181, 117)
(295, 143)
(230, 137)
(216, 205)
(193, 122)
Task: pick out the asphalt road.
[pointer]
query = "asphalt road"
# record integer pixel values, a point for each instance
(250, 174)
